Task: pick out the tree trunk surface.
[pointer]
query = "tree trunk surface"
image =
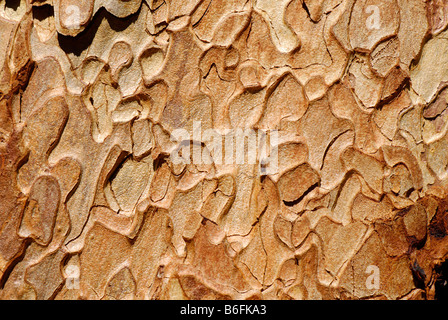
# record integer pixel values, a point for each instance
(223, 149)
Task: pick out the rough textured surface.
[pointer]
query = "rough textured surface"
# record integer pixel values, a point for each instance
(92, 205)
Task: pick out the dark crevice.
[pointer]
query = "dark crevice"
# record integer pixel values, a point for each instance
(157, 163)
(119, 165)
(43, 12)
(418, 275)
(305, 7)
(205, 12)
(4, 278)
(12, 4)
(157, 5)
(294, 202)
(22, 161)
(397, 92)
(331, 144)
(437, 227)
(81, 42)
(408, 193)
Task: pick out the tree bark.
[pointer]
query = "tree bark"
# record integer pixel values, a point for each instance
(217, 149)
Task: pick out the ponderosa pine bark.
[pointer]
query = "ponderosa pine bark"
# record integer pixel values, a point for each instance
(96, 96)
